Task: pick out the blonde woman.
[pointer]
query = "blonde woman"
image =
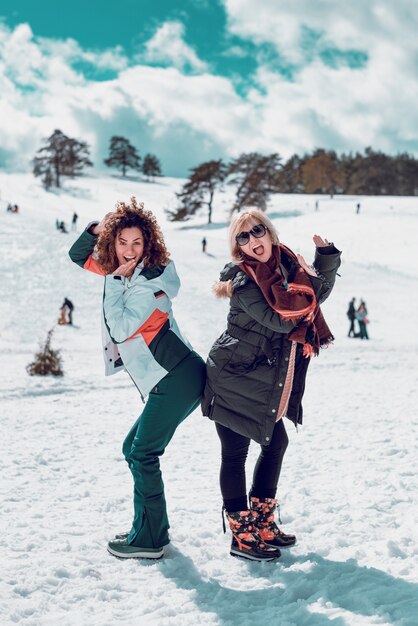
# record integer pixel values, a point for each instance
(256, 369)
(141, 336)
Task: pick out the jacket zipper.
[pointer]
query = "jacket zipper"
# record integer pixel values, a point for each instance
(211, 405)
(140, 392)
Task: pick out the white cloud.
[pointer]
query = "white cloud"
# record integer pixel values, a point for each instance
(70, 51)
(345, 25)
(235, 51)
(198, 115)
(43, 91)
(335, 107)
(167, 46)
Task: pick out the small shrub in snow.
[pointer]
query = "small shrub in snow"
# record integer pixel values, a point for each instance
(47, 361)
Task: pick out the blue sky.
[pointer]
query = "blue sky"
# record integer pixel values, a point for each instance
(130, 23)
(200, 79)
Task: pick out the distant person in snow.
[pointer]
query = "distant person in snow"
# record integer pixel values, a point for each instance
(63, 228)
(351, 314)
(62, 321)
(141, 336)
(361, 316)
(256, 369)
(67, 308)
(358, 206)
(9, 208)
(204, 244)
(74, 221)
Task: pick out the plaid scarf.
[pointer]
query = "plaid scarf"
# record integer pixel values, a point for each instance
(294, 300)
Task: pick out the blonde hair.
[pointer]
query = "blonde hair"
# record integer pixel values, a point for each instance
(242, 220)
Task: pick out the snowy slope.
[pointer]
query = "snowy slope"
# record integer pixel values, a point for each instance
(348, 487)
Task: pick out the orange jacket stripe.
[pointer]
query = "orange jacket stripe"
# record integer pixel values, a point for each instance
(152, 326)
(92, 266)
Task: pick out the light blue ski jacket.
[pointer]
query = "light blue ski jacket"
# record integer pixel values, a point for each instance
(139, 331)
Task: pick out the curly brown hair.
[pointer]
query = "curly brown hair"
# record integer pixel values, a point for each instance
(128, 216)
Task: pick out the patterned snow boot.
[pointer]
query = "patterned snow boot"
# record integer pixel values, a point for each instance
(268, 530)
(246, 542)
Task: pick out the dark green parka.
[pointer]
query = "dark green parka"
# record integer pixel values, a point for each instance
(247, 365)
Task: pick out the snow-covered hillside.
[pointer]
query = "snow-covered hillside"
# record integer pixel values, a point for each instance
(349, 482)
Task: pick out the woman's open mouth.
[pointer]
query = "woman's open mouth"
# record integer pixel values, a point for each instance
(129, 258)
(258, 250)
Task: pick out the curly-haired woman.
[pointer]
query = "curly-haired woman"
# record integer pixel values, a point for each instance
(256, 369)
(141, 336)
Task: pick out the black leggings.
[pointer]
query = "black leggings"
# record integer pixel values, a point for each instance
(266, 471)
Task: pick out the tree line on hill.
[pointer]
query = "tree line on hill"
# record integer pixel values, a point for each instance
(255, 177)
(64, 156)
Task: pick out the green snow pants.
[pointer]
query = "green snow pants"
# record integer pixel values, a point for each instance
(169, 403)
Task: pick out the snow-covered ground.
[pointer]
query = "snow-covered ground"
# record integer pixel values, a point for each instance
(349, 483)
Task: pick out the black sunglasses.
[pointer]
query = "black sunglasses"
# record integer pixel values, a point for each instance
(257, 231)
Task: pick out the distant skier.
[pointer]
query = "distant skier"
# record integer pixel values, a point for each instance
(63, 228)
(204, 244)
(74, 221)
(9, 208)
(358, 208)
(351, 314)
(66, 307)
(361, 316)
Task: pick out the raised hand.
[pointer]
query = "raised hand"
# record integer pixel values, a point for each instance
(319, 242)
(126, 269)
(99, 227)
(308, 268)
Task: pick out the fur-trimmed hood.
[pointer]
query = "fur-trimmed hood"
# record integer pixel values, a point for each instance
(223, 289)
(231, 278)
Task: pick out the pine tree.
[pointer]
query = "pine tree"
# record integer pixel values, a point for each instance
(151, 166)
(123, 155)
(76, 157)
(406, 168)
(289, 177)
(47, 361)
(255, 177)
(60, 156)
(321, 173)
(199, 190)
(373, 174)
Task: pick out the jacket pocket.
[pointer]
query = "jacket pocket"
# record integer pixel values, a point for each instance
(246, 358)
